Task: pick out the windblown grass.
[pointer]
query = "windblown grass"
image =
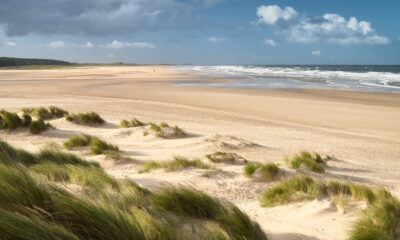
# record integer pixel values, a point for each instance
(11, 155)
(38, 126)
(312, 161)
(89, 176)
(17, 226)
(224, 157)
(269, 171)
(165, 131)
(304, 187)
(78, 141)
(44, 113)
(132, 123)
(90, 118)
(178, 162)
(97, 146)
(26, 120)
(378, 222)
(32, 206)
(9, 120)
(12, 121)
(191, 203)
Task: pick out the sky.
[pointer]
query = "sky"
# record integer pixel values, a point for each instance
(203, 32)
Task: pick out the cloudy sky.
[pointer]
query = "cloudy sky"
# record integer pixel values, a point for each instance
(203, 31)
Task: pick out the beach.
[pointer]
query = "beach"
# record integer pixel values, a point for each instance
(361, 129)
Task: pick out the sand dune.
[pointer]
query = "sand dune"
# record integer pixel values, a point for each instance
(362, 130)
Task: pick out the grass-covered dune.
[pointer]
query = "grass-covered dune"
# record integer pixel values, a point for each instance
(378, 221)
(13, 62)
(54, 195)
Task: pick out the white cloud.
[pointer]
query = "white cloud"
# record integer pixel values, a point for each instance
(270, 42)
(316, 52)
(271, 14)
(329, 27)
(216, 39)
(118, 45)
(11, 44)
(57, 44)
(110, 55)
(88, 45)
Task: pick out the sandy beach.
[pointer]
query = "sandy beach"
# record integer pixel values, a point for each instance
(361, 129)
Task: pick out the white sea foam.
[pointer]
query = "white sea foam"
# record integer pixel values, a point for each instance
(268, 77)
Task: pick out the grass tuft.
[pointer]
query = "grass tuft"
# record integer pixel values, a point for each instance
(44, 113)
(269, 171)
(38, 126)
(26, 120)
(188, 202)
(132, 123)
(224, 157)
(378, 222)
(314, 161)
(97, 146)
(178, 162)
(12, 121)
(90, 118)
(165, 131)
(9, 120)
(304, 187)
(293, 189)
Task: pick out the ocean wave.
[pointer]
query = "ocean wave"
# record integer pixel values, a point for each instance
(340, 78)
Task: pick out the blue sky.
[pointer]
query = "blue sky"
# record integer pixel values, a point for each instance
(206, 32)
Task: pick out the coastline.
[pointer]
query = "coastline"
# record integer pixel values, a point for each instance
(361, 129)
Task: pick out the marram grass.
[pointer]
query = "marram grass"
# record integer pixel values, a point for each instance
(178, 162)
(313, 161)
(269, 170)
(132, 123)
(165, 131)
(11, 121)
(303, 187)
(90, 118)
(225, 157)
(96, 145)
(33, 206)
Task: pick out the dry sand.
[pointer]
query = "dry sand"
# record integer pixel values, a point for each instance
(361, 129)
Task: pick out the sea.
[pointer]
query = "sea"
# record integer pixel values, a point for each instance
(368, 78)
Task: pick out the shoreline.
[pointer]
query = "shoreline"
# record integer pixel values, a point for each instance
(361, 129)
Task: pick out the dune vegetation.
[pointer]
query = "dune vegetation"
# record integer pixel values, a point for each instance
(312, 161)
(54, 195)
(225, 157)
(11, 121)
(178, 162)
(304, 187)
(90, 118)
(267, 171)
(96, 146)
(43, 113)
(164, 131)
(132, 123)
(378, 221)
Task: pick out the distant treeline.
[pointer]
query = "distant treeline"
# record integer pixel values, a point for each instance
(11, 62)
